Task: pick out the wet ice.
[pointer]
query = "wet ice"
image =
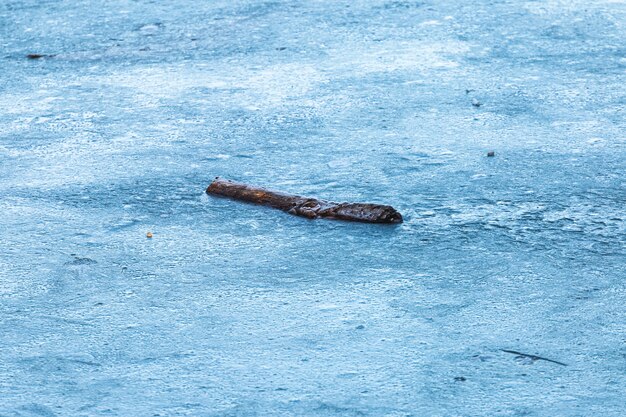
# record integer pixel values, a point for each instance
(230, 309)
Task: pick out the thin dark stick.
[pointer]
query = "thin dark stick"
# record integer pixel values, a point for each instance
(533, 357)
(311, 208)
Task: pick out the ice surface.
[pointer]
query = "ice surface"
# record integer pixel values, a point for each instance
(237, 310)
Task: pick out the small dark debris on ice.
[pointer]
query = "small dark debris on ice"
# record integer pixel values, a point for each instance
(38, 56)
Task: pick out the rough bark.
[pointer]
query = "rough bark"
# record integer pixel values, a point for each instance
(311, 208)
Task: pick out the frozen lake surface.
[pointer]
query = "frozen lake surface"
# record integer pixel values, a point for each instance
(237, 310)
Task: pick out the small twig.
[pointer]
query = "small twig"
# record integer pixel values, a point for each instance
(533, 357)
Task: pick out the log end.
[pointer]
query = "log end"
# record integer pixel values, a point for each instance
(362, 212)
(213, 185)
(391, 215)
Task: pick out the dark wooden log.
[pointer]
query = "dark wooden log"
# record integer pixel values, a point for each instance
(311, 208)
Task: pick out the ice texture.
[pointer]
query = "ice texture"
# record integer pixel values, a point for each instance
(126, 110)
